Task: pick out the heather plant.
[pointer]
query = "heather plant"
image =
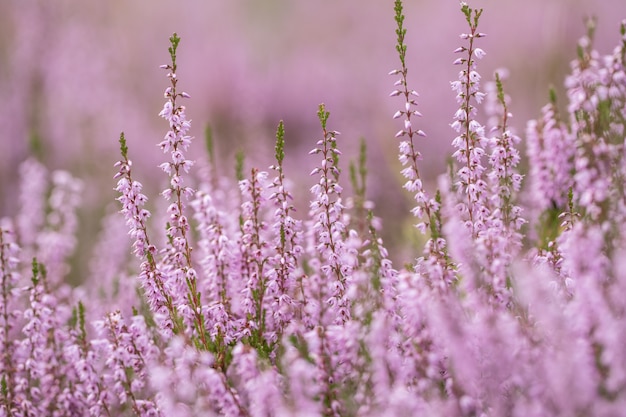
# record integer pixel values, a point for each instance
(236, 305)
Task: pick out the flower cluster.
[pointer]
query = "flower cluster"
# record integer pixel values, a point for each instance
(241, 308)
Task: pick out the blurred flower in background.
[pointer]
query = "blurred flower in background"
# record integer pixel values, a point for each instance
(74, 74)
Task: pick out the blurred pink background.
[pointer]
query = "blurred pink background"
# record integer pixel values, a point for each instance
(77, 73)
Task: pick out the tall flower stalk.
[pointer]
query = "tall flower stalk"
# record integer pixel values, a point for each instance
(436, 264)
(287, 244)
(177, 262)
(327, 215)
(471, 142)
(9, 276)
(152, 278)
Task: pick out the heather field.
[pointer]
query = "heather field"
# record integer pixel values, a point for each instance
(184, 231)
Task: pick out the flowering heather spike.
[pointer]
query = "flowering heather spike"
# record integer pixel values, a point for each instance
(597, 94)
(220, 264)
(504, 159)
(89, 389)
(178, 266)
(409, 155)
(426, 207)
(326, 213)
(384, 278)
(287, 246)
(153, 280)
(254, 248)
(47, 376)
(471, 141)
(9, 277)
(501, 241)
(550, 148)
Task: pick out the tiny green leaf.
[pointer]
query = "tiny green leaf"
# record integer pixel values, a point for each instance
(123, 147)
(240, 157)
(322, 115)
(280, 143)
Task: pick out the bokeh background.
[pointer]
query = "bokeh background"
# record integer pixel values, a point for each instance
(74, 74)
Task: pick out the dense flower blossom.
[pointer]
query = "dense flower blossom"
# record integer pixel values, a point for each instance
(10, 277)
(34, 184)
(116, 290)
(57, 240)
(552, 148)
(244, 309)
(254, 249)
(127, 349)
(597, 95)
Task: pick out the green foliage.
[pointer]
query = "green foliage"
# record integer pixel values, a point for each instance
(81, 320)
(358, 171)
(4, 387)
(435, 219)
(174, 41)
(36, 272)
(36, 145)
(358, 176)
(552, 95)
(123, 147)
(240, 158)
(322, 115)
(549, 226)
(471, 15)
(209, 144)
(500, 90)
(400, 32)
(280, 143)
(302, 347)
(73, 321)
